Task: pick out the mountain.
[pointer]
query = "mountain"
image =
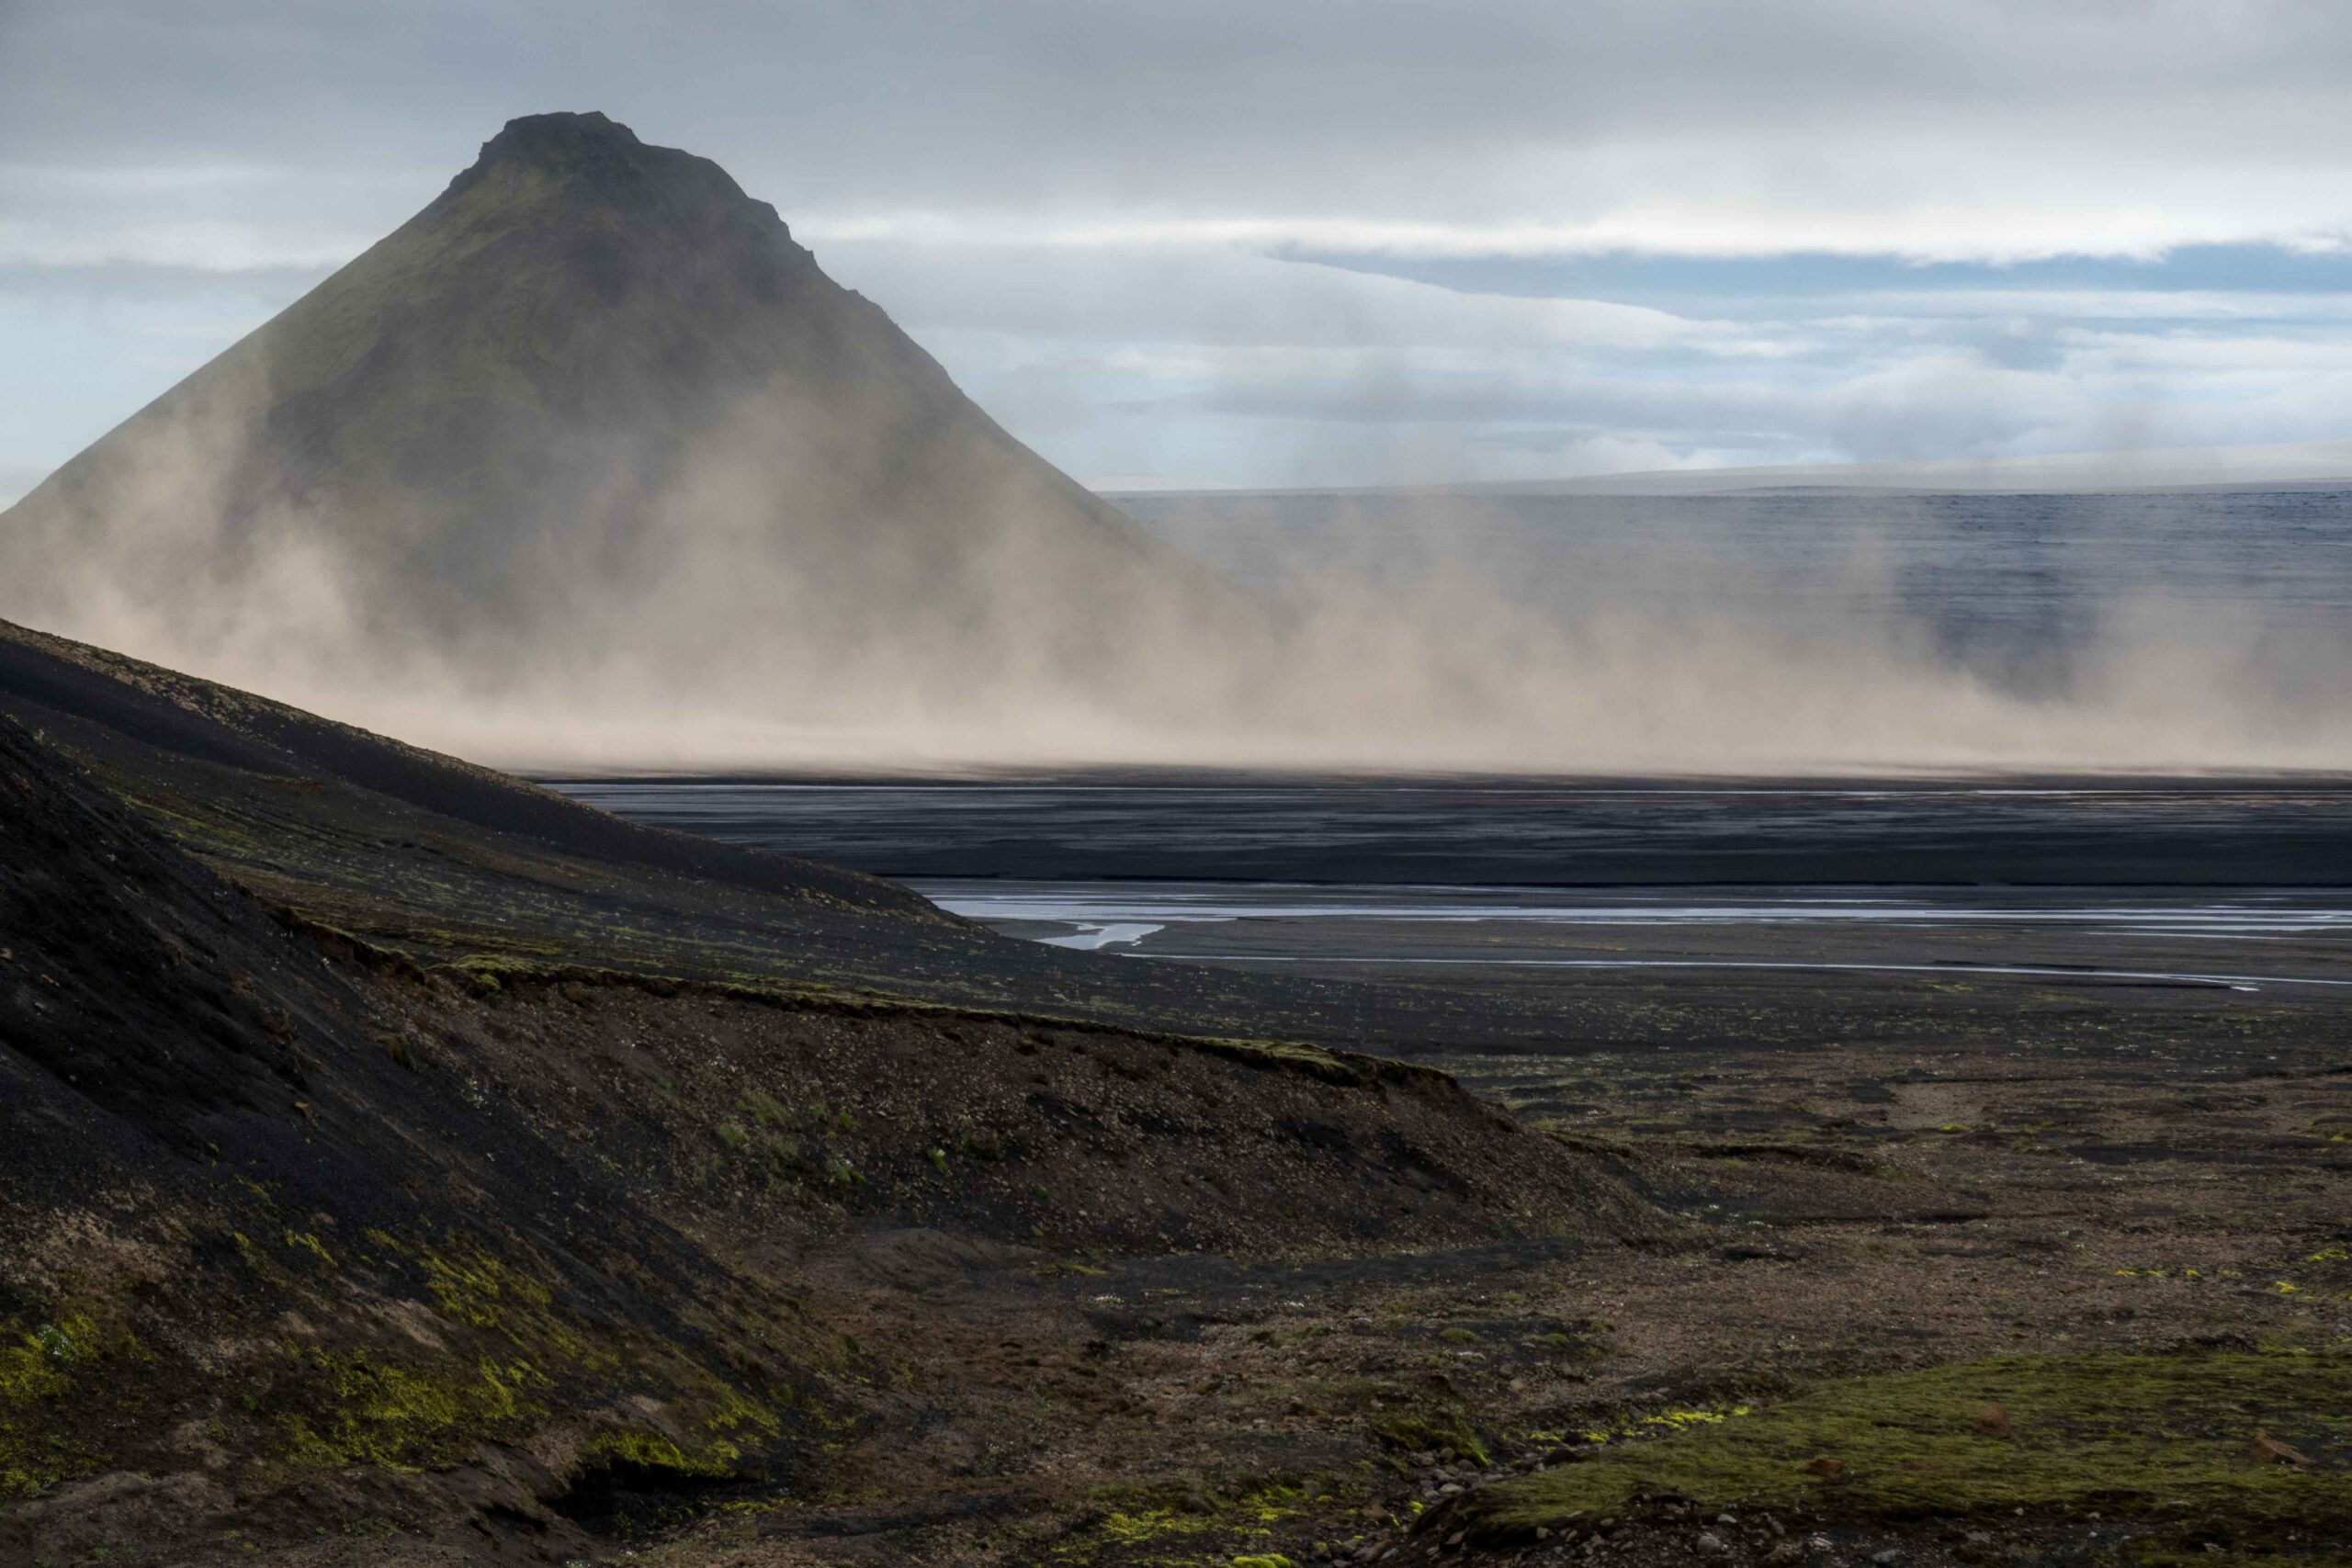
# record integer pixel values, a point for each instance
(590, 431)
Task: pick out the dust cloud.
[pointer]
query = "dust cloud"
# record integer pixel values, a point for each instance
(741, 613)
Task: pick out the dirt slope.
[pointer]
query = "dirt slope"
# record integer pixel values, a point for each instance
(297, 1236)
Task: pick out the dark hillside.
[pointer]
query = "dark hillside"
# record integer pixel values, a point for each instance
(255, 1254)
(449, 862)
(299, 1237)
(125, 708)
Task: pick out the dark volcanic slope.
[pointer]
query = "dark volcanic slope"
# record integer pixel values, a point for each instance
(431, 854)
(225, 1180)
(297, 1240)
(450, 863)
(591, 423)
(124, 708)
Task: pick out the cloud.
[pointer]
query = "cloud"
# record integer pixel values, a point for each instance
(1217, 295)
(1103, 212)
(1977, 128)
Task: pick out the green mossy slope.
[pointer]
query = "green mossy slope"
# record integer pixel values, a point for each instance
(2161, 1438)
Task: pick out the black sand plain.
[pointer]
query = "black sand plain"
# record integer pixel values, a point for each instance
(2105, 1187)
(2010, 830)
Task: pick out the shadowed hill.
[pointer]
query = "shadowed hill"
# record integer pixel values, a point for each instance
(300, 1241)
(226, 1178)
(125, 708)
(592, 429)
(453, 863)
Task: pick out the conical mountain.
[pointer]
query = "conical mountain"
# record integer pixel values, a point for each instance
(593, 429)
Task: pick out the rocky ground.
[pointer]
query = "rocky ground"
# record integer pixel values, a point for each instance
(451, 1244)
(2148, 1278)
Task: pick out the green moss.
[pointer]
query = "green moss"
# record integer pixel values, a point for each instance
(2162, 1437)
(767, 1110)
(56, 1375)
(517, 1359)
(1143, 1525)
(480, 1292)
(651, 1451)
(305, 1242)
(36, 1376)
(57, 1345)
(250, 1254)
(980, 1143)
(1183, 1509)
(1431, 1430)
(408, 1415)
(1311, 1059)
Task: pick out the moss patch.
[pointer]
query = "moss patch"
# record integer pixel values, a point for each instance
(516, 1359)
(40, 1368)
(2159, 1438)
(1204, 1523)
(409, 1416)
(651, 1452)
(1434, 1431)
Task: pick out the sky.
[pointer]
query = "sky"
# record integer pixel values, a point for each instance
(1258, 243)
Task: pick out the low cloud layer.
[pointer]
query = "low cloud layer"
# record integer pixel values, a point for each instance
(1234, 244)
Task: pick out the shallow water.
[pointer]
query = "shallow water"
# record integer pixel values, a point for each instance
(1115, 907)
(2248, 939)
(2228, 886)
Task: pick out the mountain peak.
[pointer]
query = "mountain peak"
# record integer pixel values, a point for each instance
(558, 140)
(595, 157)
